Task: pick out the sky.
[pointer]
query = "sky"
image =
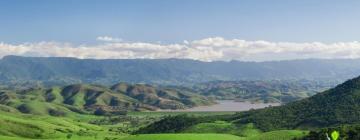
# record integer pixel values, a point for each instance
(207, 30)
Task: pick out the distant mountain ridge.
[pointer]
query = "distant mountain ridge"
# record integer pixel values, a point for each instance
(267, 91)
(55, 70)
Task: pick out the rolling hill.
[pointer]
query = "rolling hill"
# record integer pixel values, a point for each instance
(64, 71)
(88, 99)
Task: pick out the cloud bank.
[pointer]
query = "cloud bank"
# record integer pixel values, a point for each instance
(208, 49)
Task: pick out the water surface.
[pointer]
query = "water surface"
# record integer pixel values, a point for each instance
(230, 105)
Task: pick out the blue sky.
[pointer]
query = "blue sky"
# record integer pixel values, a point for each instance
(206, 30)
(172, 21)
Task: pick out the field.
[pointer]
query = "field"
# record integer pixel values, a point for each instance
(184, 137)
(16, 126)
(274, 135)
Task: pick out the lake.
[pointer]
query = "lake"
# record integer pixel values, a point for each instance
(230, 105)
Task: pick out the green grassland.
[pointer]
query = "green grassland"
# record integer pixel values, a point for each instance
(273, 135)
(279, 135)
(183, 137)
(18, 126)
(224, 127)
(246, 132)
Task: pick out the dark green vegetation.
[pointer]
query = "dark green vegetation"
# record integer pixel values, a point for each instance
(347, 132)
(281, 91)
(216, 124)
(51, 71)
(98, 100)
(339, 105)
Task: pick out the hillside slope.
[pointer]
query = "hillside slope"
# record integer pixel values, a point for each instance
(17, 126)
(339, 105)
(164, 98)
(81, 98)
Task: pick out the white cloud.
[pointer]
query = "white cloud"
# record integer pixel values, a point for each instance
(108, 39)
(209, 49)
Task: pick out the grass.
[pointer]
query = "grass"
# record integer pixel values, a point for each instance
(224, 127)
(273, 135)
(183, 137)
(279, 135)
(100, 137)
(248, 132)
(17, 126)
(22, 126)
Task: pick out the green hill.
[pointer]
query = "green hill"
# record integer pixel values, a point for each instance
(339, 105)
(164, 98)
(21, 126)
(89, 99)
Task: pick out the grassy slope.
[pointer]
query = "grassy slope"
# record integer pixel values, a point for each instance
(224, 127)
(15, 126)
(279, 135)
(184, 137)
(19, 126)
(248, 132)
(273, 135)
